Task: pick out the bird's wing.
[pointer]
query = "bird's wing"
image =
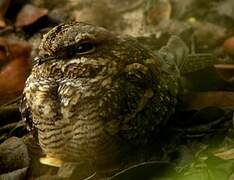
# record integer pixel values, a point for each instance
(26, 114)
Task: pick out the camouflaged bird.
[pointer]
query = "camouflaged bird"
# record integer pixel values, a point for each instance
(92, 93)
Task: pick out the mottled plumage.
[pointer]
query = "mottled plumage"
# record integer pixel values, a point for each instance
(91, 92)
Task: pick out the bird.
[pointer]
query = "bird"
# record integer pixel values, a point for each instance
(95, 96)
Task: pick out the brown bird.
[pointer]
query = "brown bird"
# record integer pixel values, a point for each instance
(94, 96)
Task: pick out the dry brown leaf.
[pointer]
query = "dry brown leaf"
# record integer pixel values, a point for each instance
(198, 100)
(12, 79)
(29, 14)
(225, 71)
(14, 63)
(228, 46)
(2, 22)
(158, 11)
(4, 4)
(10, 49)
(226, 155)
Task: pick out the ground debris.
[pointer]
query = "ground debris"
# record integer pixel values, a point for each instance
(13, 155)
(29, 14)
(4, 4)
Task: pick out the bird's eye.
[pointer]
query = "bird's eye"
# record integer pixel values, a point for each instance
(85, 48)
(80, 49)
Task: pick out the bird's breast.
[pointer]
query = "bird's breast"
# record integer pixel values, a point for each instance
(68, 122)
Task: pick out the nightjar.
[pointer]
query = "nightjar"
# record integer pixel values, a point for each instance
(93, 94)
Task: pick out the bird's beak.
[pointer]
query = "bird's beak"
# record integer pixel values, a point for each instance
(38, 60)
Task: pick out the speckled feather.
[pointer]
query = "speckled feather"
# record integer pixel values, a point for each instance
(88, 105)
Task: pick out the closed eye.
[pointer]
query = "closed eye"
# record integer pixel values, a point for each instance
(80, 49)
(85, 48)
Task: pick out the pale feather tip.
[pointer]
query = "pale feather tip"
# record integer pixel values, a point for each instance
(51, 161)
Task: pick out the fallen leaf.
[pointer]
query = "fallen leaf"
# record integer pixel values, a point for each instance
(208, 34)
(158, 11)
(29, 14)
(228, 46)
(14, 155)
(4, 4)
(226, 155)
(10, 49)
(17, 174)
(14, 63)
(198, 100)
(225, 71)
(2, 22)
(224, 8)
(12, 78)
(125, 6)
